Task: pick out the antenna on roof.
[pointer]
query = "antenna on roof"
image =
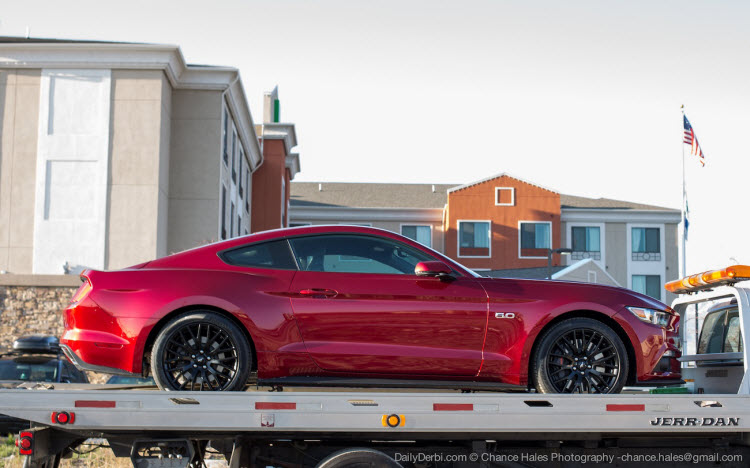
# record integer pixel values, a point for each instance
(320, 187)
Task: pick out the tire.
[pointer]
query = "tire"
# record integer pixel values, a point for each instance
(580, 355)
(358, 458)
(201, 351)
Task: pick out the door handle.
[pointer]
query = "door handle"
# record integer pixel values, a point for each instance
(319, 292)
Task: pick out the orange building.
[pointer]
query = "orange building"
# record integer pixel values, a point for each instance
(502, 222)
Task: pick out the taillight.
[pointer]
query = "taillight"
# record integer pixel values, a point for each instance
(26, 443)
(82, 292)
(63, 417)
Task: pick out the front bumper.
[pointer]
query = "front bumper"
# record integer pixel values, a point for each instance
(81, 365)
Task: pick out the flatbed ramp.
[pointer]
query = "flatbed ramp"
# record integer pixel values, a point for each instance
(423, 429)
(337, 412)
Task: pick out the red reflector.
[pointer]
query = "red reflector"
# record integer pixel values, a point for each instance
(95, 404)
(63, 417)
(452, 407)
(626, 407)
(26, 443)
(266, 405)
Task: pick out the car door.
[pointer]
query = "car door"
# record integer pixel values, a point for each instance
(361, 309)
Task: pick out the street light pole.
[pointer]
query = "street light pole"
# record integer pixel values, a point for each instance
(549, 258)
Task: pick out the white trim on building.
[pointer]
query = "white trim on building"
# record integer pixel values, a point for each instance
(458, 237)
(512, 196)
(401, 231)
(551, 236)
(602, 262)
(650, 267)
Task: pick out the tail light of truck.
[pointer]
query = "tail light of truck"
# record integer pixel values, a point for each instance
(82, 292)
(25, 443)
(62, 417)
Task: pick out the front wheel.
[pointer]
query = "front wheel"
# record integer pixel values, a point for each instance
(580, 355)
(201, 351)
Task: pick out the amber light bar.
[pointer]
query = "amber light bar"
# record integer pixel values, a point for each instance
(709, 279)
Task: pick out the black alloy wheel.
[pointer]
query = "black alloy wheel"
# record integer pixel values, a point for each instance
(580, 355)
(201, 351)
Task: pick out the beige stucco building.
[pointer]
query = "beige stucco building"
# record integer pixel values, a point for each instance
(117, 153)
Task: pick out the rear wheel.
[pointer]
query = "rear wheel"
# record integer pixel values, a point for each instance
(580, 355)
(358, 458)
(201, 351)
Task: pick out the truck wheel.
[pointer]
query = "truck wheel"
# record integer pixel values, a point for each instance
(201, 351)
(580, 355)
(358, 458)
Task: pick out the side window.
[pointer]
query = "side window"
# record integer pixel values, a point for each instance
(67, 375)
(733, 340)
(274, 254)
(712, 333)
(356, 254)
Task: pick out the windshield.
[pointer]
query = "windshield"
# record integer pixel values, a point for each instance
(35, 371)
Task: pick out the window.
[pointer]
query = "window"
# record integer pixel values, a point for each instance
(249, 193)
(231, 221)
(234, 154)
(505, 196)
(649, 285)
(223, 212)
(585, 243)
(473, 238)
(721, 332)
(225, 137)
(646, 244)
(274, 254)
(535, 239)
(242, 191)
(421, 234)
(355, 254)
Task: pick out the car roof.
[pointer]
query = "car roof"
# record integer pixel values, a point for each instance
(207, 255)
(27, 358)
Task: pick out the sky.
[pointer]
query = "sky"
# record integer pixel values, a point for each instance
(582, 97)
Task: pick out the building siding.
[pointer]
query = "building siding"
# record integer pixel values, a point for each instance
(195, 162)
(19, 99)
(137, 192)
(617, 252)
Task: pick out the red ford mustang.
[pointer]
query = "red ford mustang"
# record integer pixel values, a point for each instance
(357, 306)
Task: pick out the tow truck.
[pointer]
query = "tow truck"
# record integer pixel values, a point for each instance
(706, 424)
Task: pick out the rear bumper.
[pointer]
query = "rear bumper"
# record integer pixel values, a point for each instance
(80, 364)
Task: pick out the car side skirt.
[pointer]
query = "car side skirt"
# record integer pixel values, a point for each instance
(355, 382)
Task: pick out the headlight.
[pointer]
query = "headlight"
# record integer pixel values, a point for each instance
(656, 317)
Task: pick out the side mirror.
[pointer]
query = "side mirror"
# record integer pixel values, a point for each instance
(433, 269)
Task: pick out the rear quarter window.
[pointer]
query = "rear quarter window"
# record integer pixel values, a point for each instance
(273, 255)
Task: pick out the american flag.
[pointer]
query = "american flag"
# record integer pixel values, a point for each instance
(690, 139)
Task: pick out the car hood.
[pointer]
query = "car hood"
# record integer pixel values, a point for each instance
(610, 296)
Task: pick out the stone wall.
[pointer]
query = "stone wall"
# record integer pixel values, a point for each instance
(33, 305)
(31, 310)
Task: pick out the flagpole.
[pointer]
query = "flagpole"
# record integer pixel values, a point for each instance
(684, 201)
